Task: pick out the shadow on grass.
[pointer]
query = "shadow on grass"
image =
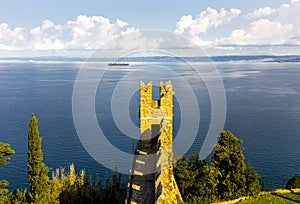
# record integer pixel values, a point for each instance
(288, 198)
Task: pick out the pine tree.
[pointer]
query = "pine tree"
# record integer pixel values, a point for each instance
(37, 170)
(229, 159)
(293, 182)
(225, 177)
(253, 181)
(195, 179)
(235, 178)
(5, 152)
(18, 196)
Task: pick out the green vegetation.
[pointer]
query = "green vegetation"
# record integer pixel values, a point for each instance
(5, 152)
(64, 188)
(226, 177)
(37, 171)
(195, 179)
(287, 198)
(73, 188)
(294, 182)
(235, 178)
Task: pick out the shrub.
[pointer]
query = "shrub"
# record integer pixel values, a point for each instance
(293, 182)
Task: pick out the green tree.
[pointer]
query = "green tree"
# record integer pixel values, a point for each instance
(225, 177)
(293, 182)
(253, 181)
(195, 179)
(5, 152)
(184, 176)
(37, 170)
(74, 188)
(115, 190)
(18, 197)
(235, 178)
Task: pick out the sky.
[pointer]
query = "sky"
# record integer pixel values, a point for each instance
(218, 26)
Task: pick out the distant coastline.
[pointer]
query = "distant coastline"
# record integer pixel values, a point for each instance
(229, 58)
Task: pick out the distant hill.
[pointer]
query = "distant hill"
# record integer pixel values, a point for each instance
(233, 58)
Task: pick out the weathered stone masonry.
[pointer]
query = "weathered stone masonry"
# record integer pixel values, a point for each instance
(151, 176)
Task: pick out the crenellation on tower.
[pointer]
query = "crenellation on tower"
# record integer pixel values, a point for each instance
(151, 178)
(166, 98)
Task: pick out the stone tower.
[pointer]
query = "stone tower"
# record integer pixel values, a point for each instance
(151, 176)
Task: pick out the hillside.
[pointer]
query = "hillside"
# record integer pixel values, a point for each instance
(274, 197)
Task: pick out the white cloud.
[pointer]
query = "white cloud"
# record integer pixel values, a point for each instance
(298, 34)
(121, 23)
(10, 36)
(210, 18)
(289, 13)
(47, 36)
(263, 26)
(284, 6)
(294, 1)
(261, 32)
(85, 32)
(136, 41)
(260, 12)
(295, 40)
(129, 30)
(184, 23)
(47, 24)
(92, 32)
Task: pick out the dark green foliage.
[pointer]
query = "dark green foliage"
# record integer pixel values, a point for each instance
(184, 175)
(37, 170)
(229, 159)
(3, 191)
(79, 193)
(293, 182)
(195, 179)
(253, 181)
(65, 189)
(19, 197)
(112, 191)
(72, 188)
(226, 177)
(5, 152)
(235, 178)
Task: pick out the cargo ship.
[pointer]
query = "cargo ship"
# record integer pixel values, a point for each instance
(118, 64)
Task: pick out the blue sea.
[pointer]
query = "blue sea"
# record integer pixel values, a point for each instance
(262, 100)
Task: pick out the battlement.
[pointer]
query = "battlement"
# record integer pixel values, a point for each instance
(151, 175)
(165, 103)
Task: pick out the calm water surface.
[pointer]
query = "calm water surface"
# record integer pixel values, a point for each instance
(263, 109)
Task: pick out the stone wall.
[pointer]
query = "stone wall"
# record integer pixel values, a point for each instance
(151, 179)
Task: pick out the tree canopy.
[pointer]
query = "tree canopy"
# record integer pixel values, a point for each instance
(226, 176)
(293, 182)
(37, 170)
(5, 152)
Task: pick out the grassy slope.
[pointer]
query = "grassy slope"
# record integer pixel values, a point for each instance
(288, 198)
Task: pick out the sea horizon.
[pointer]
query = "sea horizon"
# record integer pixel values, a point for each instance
(262, 110)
